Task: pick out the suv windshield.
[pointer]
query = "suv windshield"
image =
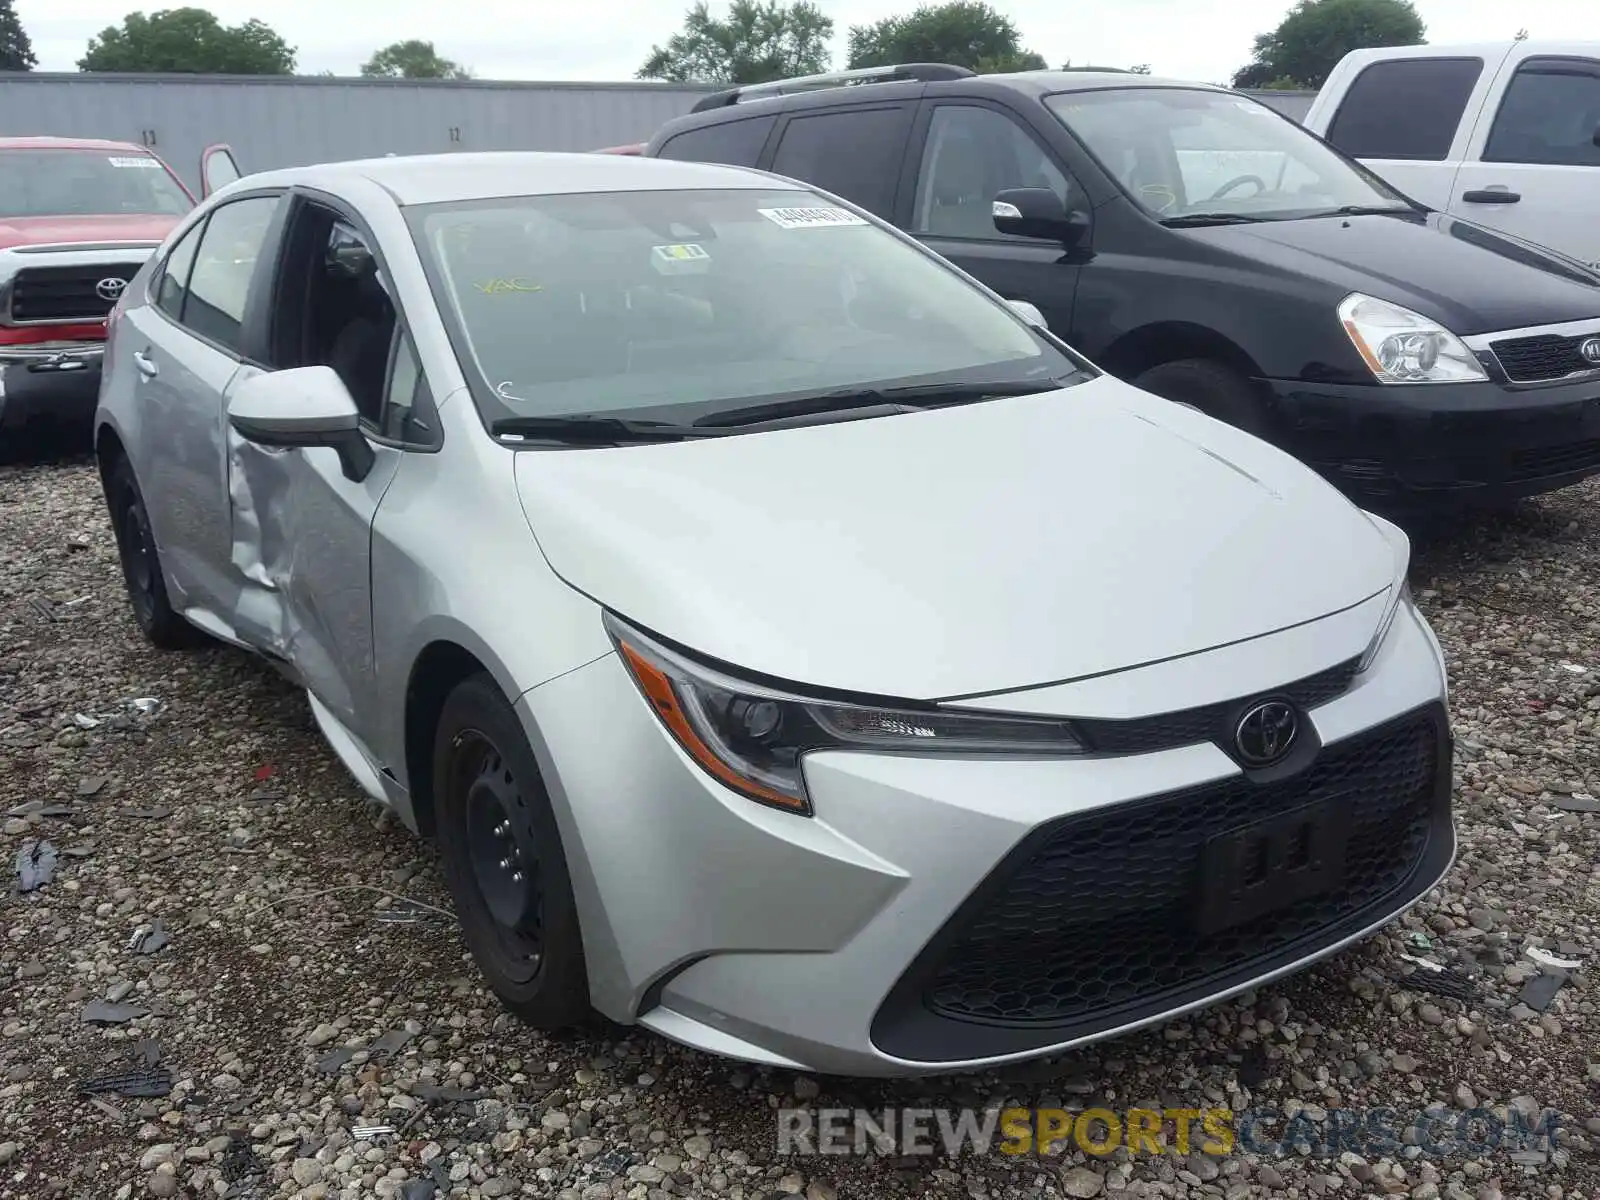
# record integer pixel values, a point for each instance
(1183, 152)
(677, 306)
(87, 183)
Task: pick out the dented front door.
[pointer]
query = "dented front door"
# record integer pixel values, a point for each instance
(302, 545)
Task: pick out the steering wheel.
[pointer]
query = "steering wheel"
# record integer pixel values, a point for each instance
(1261, 186)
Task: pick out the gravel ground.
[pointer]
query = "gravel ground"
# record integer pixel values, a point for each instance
(293, 1002)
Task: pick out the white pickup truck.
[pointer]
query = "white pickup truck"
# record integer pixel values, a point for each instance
(1504, 134)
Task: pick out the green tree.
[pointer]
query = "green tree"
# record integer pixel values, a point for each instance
(413, 59)
(966, 33)
(16, 51)
(1316, 34)
(191, 41)
(758, 41)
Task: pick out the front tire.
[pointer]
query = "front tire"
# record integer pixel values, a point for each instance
(503, 860)
(1215, 389)
(160, 623)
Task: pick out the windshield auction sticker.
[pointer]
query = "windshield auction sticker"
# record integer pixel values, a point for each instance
(142, 164)
(810, 218)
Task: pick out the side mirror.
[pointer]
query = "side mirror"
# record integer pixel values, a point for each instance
(1029, 313)
(1597, 135)
(1038, 213)
(303, 407)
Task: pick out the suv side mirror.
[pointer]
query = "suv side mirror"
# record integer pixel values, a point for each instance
(1038, 213)
(303, 407)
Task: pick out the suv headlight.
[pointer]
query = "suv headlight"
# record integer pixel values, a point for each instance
(1400, 346)
(751, 738)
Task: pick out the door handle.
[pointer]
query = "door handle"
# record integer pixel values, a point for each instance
(1492, 196)
(146, 364)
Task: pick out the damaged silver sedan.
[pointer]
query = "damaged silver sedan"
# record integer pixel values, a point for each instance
(792, 647)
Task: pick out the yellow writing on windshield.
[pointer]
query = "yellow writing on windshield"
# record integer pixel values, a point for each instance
(496, 287)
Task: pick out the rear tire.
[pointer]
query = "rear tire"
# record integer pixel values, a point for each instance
(160, 623)
(1215, 389)
(503, 860)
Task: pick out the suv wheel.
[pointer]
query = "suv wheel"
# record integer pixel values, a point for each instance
(141, 564)
(1216, 390)
(503, 861)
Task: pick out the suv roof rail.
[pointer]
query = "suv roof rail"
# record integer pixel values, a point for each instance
(918, 72)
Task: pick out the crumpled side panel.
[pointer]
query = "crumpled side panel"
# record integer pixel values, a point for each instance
(263, 548)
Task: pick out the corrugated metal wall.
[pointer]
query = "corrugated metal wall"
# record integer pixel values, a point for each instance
(1290, 104)
(291, 122)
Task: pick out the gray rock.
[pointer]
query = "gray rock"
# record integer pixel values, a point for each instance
(321, 1035)
(499, 1186)
(8, 1151)
(306, 1171)
(1081, 1183)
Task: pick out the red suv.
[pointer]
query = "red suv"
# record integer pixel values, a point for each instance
(78, 218)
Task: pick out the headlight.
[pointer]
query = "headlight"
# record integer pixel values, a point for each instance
(1400, 346)
(751, 738)
(1399, 590)
(1398, 599)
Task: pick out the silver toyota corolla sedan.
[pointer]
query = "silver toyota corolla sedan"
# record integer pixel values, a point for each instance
(791, 646)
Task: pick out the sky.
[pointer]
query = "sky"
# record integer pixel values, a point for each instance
(608, 39)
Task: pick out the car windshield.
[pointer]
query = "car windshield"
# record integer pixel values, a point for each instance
(1186, 152)
(87, 183)
(678, 306)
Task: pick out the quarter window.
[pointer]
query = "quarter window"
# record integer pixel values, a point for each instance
(408, 408)
(1551, 114)
(174, 282)
(219, 284)
(854, 153)
(971, 154)
(736, 143)
(1406, 108)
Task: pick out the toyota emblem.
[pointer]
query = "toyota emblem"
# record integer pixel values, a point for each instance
(1266, 733)
(1590, 350)
(110, 288)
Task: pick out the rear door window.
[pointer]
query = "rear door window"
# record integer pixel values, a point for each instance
(219, 284)
(1406, 108)
(1550, 115)
(736, 143)
(852, 152)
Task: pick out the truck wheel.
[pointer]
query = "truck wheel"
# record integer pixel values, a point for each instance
(503, 861)
(1216, 390)
(141, 564)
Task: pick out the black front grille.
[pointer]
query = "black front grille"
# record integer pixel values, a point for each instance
(66, 294)
(1092, 924)
(1546, 461)
(1143, 735)
(1543, 357)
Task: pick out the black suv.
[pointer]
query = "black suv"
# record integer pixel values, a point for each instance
(1197, 243)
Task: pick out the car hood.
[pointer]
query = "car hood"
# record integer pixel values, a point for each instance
(1472, 279)
(983, 548)
(43, 231)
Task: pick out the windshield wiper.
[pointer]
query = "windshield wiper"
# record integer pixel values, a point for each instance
(593, 431)
(1366, 210)
(875, 401)
(1213, 218)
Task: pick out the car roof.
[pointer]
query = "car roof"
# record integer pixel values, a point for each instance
(1035, 84)
(488, 175)
(1536, 46)
(1046, 83)
(65, 143)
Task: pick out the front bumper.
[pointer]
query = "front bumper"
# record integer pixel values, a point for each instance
(58, 383)
(844, 943)
(1428, 444)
